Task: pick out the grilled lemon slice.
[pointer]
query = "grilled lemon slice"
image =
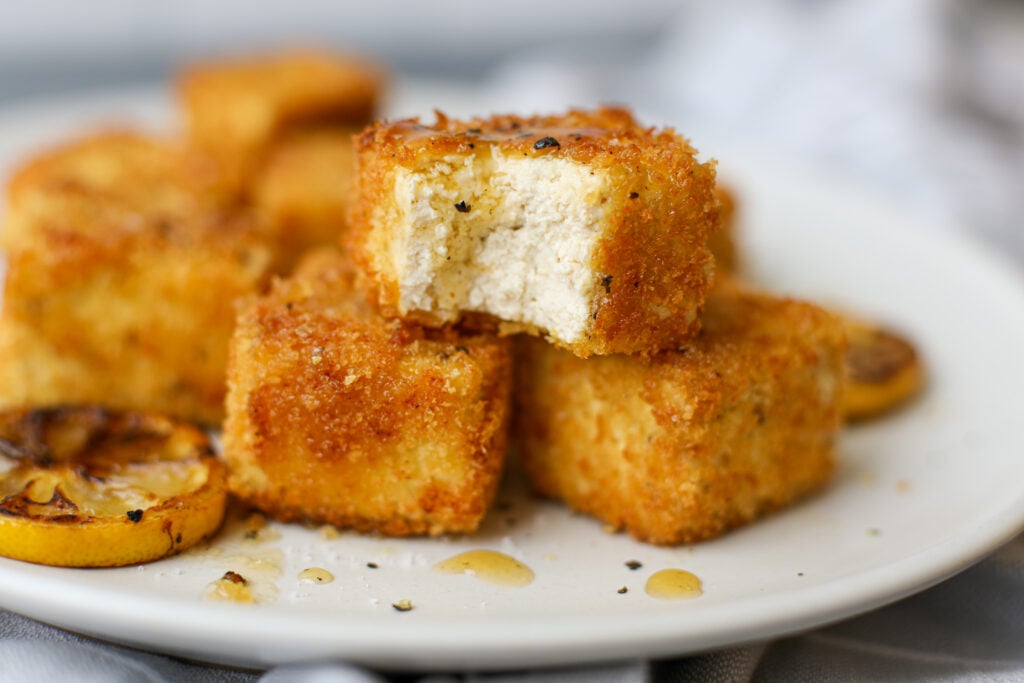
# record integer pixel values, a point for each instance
(88, 487)
(883, 369)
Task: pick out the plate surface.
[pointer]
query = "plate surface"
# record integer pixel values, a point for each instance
(918, 496)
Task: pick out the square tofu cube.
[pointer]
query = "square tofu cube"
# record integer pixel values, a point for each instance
(339, 416)
(693, 441)
(235, 108)
(587, 228)
(123, 269)
(302, 189)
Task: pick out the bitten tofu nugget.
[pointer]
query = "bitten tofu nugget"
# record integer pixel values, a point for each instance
(683, 446)
(338, 416)
(235, 108)
(585, 227)
(123, 269)
(302, 189)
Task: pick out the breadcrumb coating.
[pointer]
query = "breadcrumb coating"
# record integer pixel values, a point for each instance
(694, 441)
(124, 262)
(303, 188)
(338, 416)
(234, 109)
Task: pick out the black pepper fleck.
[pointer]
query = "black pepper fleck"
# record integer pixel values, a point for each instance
(546, 142)
(372, 565)
(606, 281)
(135, 515)
(623, 590)
(634, 195)
(463, 207)
(634, 565)
(234, 577)
(177, 539)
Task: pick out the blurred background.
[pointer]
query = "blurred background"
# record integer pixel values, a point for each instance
(920, 100)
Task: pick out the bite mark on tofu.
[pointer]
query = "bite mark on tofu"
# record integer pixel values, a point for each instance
(518, 248)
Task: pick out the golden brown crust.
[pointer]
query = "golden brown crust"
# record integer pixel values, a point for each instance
(338, 416)
(116, 166)
(680, 448)
(235, 108)
(303, 189)
(651, 267)
(113, 252)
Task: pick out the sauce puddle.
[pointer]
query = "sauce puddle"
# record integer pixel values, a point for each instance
(674, 584)
(489, 566)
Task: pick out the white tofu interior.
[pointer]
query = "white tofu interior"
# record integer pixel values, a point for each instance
(519, 248)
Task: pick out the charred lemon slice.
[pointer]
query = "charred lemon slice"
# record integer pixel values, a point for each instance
(883, 369)
(88, 487)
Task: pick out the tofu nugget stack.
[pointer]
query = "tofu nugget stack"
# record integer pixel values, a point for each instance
(594, 233)
(124, 260)
(337, 415)
(372, 387)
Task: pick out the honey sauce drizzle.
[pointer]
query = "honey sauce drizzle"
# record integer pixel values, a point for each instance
(674, 584)
(489, 566)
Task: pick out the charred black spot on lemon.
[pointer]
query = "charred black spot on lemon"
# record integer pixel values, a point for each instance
(83, 486)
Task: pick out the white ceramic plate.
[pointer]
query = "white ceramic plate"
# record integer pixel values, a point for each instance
(918, 496)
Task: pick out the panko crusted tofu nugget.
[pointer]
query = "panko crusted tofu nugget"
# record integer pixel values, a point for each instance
(235, 108)
(338, 416)
(122, 166)
(303, 187)
(585, 227)
(123, 268)
(685, 445)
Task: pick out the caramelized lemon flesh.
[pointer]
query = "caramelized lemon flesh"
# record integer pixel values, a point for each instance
(884, 371)
(89, 487)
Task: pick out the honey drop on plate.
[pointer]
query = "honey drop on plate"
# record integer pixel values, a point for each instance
(489, 566)
(674, 584)
(316, 575)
